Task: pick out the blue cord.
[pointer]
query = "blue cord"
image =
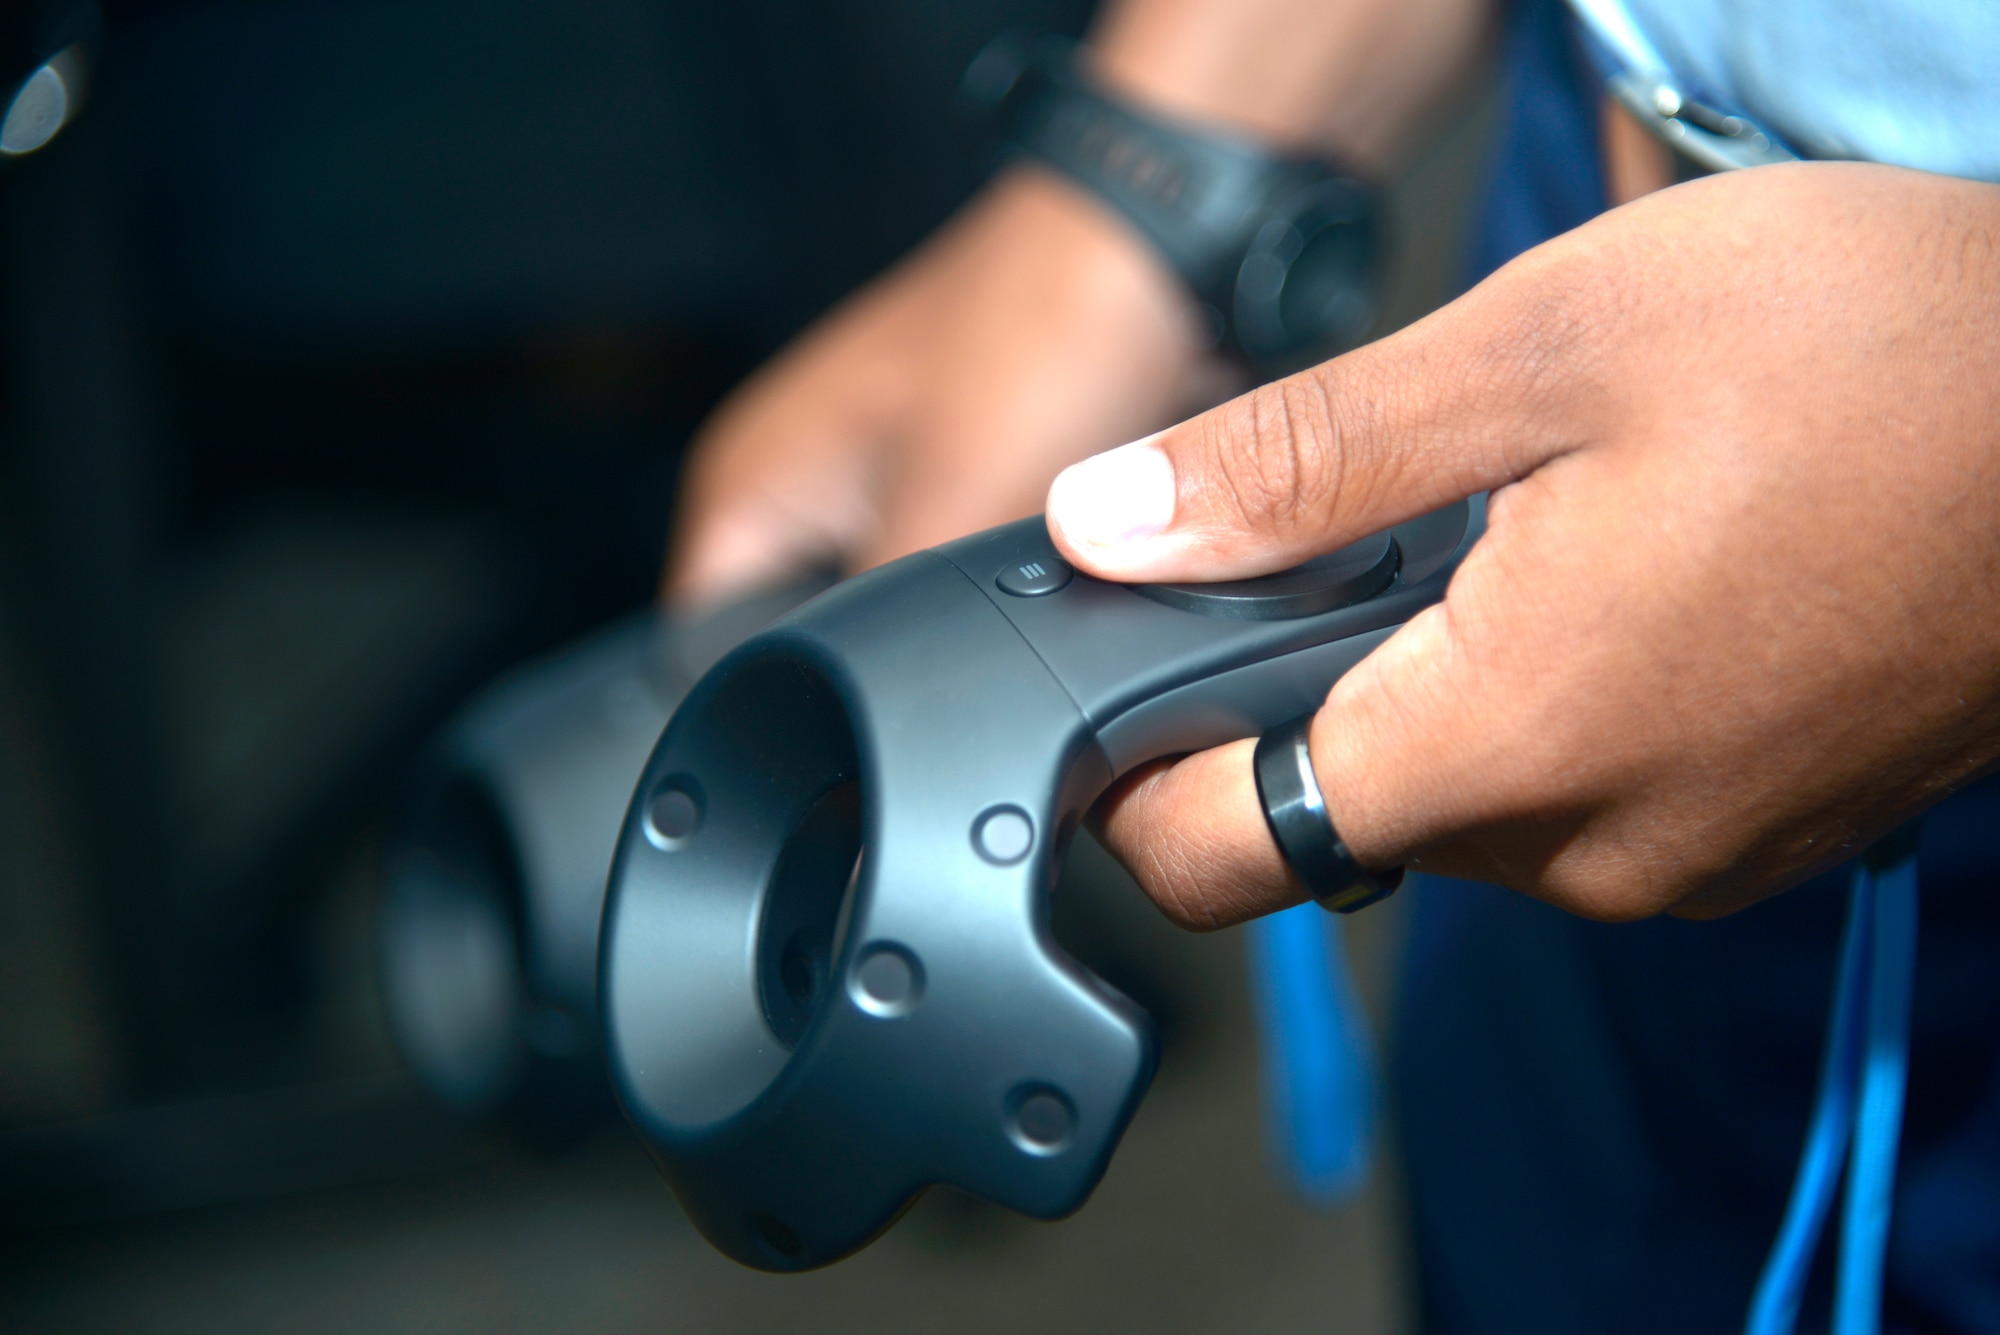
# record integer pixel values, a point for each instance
(1871, 1176)
(1319, 1088)
(1319, 1076)
(1860, 1098)
(1775, 1307)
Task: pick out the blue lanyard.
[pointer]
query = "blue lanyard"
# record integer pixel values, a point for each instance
(1860, 1100)
(1319, 1064)
(1319, 1084)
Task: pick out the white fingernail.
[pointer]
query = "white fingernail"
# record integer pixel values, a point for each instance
(1120, 496)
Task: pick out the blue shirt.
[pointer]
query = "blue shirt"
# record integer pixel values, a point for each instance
(1600, 1122)
(1913, 84)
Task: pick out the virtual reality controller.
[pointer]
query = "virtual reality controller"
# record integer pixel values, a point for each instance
(826, 974)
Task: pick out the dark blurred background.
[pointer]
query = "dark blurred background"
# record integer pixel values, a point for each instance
(348, 352)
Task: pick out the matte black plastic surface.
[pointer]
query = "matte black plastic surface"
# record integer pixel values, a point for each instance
(833, 985)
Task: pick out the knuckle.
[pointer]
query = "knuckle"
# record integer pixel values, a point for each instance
(1281, 455)
(1551, 312)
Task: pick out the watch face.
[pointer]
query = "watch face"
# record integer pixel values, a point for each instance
(1306, 287)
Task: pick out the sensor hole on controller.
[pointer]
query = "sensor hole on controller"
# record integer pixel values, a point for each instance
(673, 812)
(887, 981)
(1040, 1120)
(1003, 835)
(776, 1235)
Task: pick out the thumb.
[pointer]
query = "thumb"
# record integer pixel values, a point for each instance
(1475, 396)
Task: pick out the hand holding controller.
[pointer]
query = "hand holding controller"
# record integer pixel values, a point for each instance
(826, 974)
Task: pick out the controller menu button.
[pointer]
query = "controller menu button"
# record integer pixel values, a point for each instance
(1033, 576)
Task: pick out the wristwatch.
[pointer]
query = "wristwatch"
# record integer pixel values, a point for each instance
(1278, 250)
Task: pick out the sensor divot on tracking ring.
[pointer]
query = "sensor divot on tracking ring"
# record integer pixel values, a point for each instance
(673, 815)
(1003, 835)
(1040, 1120)
(886, 981)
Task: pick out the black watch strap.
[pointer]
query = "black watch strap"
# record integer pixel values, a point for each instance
(1280, 249)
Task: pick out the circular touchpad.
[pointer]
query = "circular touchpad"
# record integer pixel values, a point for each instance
(1338, 579)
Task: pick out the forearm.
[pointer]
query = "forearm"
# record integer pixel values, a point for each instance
(1353, 77)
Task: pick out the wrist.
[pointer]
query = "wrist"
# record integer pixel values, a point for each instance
(1176, 74)
(1099, 264)
(1349, 78)
(1275, 251)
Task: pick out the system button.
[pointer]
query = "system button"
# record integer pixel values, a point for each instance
(1033, 576)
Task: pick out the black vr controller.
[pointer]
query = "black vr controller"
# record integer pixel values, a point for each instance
(826, 974)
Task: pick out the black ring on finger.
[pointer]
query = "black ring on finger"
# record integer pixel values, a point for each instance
(1297, 815)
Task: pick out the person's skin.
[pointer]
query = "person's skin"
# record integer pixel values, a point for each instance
(1037, 327)
(1737, 610)
(1735, 614)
